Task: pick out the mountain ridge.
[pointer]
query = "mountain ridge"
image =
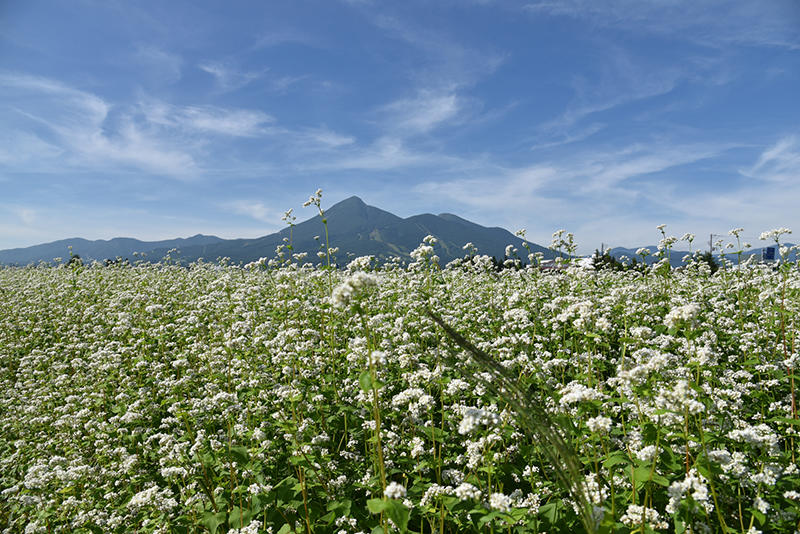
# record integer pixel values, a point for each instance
(356, 228)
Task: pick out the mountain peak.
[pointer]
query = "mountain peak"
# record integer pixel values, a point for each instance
(349, 202)
(351, 225)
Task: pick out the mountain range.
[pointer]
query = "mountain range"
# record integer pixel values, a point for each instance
(354, 227)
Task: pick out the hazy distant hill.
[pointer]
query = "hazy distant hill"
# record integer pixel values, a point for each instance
(676, 256)
(354, 227)
(100, 249)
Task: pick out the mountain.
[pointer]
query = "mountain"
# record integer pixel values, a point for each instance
(100, 249)
(354, 227)
(358, 230)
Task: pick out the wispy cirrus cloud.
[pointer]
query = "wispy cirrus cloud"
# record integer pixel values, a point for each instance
(75, 123)
(779, 163)
(166, 66)
(620, 80)
(228, 77)
(606, 171)
(571, 137)
(610, 188)
(440, 84)
(714, 23)
(424, 112)
(386, 153)
(327, 138)
(255, 210)
(50, 121)
(284, 36)
(207, 119)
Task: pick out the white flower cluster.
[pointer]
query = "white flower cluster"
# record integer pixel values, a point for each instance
(575, 392)
(362, 263)
(153, 497)
(599, 424)
(759, 436)
(352, 288)
(682, 315)
(474, 417)
(635, 515)
(694, 483)
(466, 491)
(394, 491)
(774, 234)
(500, 502)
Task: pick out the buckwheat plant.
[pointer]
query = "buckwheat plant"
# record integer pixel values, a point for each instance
(285, 397)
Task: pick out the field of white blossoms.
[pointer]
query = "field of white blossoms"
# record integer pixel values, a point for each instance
(379, 398)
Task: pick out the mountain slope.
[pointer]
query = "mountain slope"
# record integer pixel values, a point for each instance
(100, 249)
(358, 229)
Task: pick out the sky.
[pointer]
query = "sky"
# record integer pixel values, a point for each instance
(157, 120)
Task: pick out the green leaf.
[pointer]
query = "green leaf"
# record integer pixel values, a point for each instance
(239, 517)
(340, 507)
(212, 521)
(437, 433)
(377, 506)
(786, 420)
(550, 512)
(398, 512)
(616, 458)
(365, 380)
(240, 454)
(488, 517)
(660, 480)
(377, 530)
(761, 518)
(641, 474)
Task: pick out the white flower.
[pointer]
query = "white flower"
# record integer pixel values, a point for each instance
(599, 424)
(352, 288)
(500, 501)
(466, 491)
(394, 491)
(646, 454)
(634, 514)
(681, 315)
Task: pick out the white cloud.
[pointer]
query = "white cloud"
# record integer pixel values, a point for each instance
(423, 113)
(713, 22)
(604, 195)
(51, 125)
(26, 215)
(385, 154)
(285, 36)
(447, 62)
(605, 172)
(568, 138)
(778, 163)
(229, 78)
(619, 80)
(254, 209)
(328, 138)
(37, 154)
(77, 124)
(165, 65)
(207, 119)
(239, 123)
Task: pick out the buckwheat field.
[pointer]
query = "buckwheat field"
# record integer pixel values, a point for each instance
(281, 397)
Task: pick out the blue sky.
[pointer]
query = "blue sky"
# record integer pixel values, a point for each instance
(164, 119)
